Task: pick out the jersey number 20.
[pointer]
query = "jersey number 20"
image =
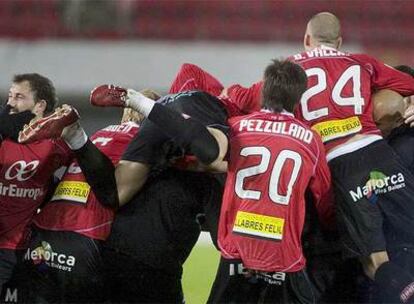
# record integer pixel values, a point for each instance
(263, 167)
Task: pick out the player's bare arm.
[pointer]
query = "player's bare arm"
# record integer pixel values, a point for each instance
(130, 177)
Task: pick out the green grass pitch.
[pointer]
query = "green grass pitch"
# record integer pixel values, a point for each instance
(199, 272)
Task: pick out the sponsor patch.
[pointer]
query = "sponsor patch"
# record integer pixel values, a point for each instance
(338, 128)
(378, 183)
(72, 191)
(259, 225)
(44, 254)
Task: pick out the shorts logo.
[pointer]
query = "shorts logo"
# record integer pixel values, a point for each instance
(21, 170)
(74, 168)
(378, 183)
(11, 295)
(45, 254)
(273, 278)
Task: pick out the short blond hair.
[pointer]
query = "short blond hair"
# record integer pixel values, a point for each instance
(134, 116)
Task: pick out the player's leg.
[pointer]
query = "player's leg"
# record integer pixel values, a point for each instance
(153, 146)
(191, 77)
(187, 122)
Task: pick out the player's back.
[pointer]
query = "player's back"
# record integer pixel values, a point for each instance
(337, 103)
(272, 160)
(26, 172)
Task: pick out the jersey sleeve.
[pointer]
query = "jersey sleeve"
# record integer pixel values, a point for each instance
(386, 77)
(66, 155)
(247, 99)
(321, 188)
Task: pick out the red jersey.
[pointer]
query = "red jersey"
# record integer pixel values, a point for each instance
(191, 77)
(273, 159)
(337, 103)
(74, 206)
(26, 174)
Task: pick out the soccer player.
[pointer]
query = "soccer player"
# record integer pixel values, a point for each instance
(26, 170)
(64, 256)
(389, 109)
(154, 233)
(273, 159)
(371, 187)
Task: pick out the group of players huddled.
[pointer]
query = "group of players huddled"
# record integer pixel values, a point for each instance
(304, 198)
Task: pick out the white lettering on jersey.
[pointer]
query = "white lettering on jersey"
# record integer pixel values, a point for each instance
(124, 128)
(13, 191)
(266, 126)
(21, 170)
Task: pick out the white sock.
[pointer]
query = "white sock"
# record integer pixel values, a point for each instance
(74, 136)
(138, 102)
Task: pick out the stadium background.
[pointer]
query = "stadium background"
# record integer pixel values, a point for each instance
(80, 44)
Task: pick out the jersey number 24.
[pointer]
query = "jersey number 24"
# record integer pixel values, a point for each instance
(352, 73)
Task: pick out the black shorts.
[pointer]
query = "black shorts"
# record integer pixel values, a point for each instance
(232, 286)
(63, 266)
(9, 264)
(128, 280)
(152, 146)
(373, 191)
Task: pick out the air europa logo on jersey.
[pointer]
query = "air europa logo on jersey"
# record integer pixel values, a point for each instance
(21, 170)
(45, 253)
(378, 183)
(12, 190)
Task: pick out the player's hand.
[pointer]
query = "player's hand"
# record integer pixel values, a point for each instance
(224, 93)
(409, 116)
